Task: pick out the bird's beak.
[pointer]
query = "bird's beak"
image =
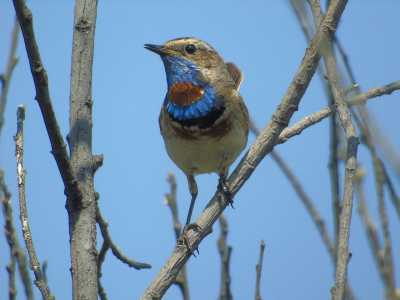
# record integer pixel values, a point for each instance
(159, 49)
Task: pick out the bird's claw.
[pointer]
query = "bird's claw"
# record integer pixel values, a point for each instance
(184, 239)
(222, 186)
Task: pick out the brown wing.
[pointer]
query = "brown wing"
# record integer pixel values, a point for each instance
(235, 73)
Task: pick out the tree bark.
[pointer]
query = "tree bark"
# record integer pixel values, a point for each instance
(82, 214)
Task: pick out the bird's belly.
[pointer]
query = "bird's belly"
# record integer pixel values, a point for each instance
(206, 154)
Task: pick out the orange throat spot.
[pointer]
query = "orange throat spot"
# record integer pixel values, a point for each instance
(185, 93)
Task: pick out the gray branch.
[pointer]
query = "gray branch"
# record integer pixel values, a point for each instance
(82, 216)
(225, 252)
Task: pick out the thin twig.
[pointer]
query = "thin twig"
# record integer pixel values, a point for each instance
(40, 79)
(259, 271)
(225, 252)
(9, 232)
(393, 195)
(100, 260)
(387, 241)
(181, 280)
(260, 148)
(316, 117)
(351, 162)
(12, 290)
(15, 249)
(6, 76)
(170, 200)
(33, 259)
(370, 228)
(114, 248)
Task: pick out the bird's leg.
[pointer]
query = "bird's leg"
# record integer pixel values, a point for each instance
(193, 191)
(223, 187)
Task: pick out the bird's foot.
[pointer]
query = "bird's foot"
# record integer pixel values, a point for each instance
(184, 239)
(223, 188)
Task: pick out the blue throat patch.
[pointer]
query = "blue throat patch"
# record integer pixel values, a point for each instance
(180, 70)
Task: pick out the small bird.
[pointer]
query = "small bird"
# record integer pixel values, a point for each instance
(203, 121)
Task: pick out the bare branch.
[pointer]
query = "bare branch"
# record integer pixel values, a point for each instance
(114, 248)
(34, 261)
(100, 261)
(393, 195)
(387, 242)
(6, 76)
(261, 147)
(15, 249)
(259, 271)
(351, 159)
(12, 290)
(316, 117)
(82, 218)
(40, 79)
(370, 228)
(170, 198)
(225, 252)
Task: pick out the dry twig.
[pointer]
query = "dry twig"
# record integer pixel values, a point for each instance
(388, 263)
(6, 76)
(316, 117)
(259, 271)
(225, 252)
(100, 260)
(181, 280)
(370, 228)
(34, 261)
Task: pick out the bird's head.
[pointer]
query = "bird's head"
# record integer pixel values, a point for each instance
(194, 73)
(189, 60)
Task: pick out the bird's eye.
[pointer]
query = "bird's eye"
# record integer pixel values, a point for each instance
(190, 49)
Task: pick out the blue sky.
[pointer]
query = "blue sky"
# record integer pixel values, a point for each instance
(266, 42)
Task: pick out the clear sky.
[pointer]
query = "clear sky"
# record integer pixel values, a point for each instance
(265, 41)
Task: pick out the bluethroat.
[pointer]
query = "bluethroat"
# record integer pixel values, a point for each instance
(203, 121)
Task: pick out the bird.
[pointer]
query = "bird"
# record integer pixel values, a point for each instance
(204, 121)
